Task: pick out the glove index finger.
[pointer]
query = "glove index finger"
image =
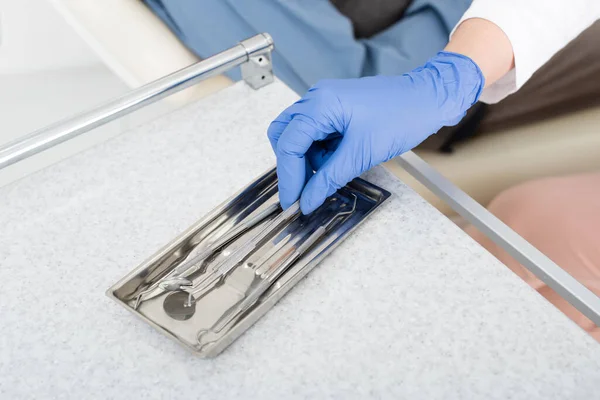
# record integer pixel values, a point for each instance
(277, 127)
(293, 144)
(299, 134)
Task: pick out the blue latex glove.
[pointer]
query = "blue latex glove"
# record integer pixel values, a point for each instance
(341, 128)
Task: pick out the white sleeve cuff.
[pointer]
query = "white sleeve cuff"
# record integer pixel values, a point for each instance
(503, 87)
(537, 29)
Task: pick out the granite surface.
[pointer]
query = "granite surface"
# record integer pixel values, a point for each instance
(407, 307)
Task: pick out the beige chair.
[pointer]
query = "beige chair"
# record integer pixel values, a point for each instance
(134, 43)
(491, 163)
(139, 48)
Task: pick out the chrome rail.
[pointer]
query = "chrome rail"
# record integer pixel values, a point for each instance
(255, 52)
(530, 257)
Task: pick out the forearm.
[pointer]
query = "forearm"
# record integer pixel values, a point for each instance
(535, 30)
(473, 37)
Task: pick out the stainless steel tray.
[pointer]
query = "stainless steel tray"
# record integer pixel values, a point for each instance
(209, 285)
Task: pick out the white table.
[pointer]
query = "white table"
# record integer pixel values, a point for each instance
(407, 307)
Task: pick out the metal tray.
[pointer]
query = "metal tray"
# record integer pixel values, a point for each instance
(209, 285)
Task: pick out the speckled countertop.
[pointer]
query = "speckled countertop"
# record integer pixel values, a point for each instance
(407, 307)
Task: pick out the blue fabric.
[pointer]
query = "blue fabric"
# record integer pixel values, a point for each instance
(313, 40)
(344, 127)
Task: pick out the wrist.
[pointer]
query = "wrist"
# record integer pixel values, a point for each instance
(472, 37)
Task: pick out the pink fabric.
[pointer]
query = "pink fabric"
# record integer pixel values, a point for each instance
(561, 217)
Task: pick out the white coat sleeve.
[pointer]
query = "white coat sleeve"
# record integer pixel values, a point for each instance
(537, 29)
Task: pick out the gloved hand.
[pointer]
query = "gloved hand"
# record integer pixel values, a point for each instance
(342, 128)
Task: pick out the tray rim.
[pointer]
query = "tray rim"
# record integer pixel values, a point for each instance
(261, 308)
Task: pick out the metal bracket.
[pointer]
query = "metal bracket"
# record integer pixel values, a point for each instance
(258, 70)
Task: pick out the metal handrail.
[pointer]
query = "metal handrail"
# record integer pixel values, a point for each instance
(64, 130)
(501, 234)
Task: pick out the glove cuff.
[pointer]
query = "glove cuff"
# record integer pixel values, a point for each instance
(460, 80)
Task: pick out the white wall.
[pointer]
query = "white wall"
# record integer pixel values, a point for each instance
(34, 37)
(48, 73)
